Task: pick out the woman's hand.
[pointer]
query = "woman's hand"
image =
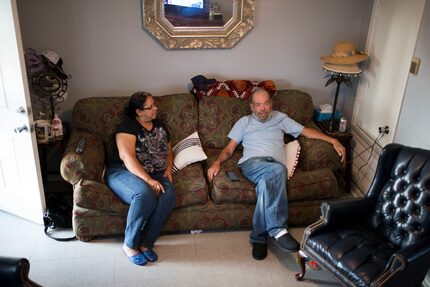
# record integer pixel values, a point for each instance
(168, 174)
(156, 186)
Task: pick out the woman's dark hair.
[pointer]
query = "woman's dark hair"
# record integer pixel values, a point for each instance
(136, 101)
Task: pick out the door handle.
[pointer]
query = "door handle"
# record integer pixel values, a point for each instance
(21, 129)
(20, 110)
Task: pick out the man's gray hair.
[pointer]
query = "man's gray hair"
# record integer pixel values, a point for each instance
(257, 90)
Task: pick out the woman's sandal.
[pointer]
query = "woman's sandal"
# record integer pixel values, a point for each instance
(150, 255)
(138, 259)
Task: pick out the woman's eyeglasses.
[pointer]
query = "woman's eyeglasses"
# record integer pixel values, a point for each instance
(150, 107)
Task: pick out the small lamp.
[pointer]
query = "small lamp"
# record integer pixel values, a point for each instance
(341, 66)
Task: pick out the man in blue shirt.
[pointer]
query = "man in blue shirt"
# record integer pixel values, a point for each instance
(263, 163)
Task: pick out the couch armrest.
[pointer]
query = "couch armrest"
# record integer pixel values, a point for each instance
(87, 165)
(316, 154)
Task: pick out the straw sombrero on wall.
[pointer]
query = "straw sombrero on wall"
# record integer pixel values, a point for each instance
(344, 53)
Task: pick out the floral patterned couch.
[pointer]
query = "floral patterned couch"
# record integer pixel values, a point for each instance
(223, 204)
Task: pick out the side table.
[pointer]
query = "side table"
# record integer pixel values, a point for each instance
(345, 139)
(45, 151)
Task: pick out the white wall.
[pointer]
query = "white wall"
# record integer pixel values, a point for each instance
(414, 118)
(108, 53)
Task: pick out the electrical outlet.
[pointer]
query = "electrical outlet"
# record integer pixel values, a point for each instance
(384, 130)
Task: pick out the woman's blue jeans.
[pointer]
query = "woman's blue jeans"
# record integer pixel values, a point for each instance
(271, 210)
(148, 212)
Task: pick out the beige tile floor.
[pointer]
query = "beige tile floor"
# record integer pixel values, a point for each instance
(204, 259)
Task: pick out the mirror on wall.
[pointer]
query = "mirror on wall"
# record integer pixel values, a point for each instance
(198, 24)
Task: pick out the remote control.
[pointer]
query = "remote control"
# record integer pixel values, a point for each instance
(80, 146)
(232, 176)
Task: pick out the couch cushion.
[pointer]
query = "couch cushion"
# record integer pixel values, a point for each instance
(304, 185)
(296, 104)
(179, 112)
(312, 185)
(189, 183)
(225, 190)
(217, 115)
(96, 195)
(191, 186)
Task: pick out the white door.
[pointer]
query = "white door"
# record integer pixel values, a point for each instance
(391, 41)
(21, 188)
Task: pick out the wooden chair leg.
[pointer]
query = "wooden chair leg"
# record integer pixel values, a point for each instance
(301, 261)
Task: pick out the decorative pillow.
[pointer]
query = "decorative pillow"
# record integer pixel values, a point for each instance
(292, 153)
(188, 151)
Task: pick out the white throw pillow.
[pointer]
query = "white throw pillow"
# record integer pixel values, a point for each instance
(292, 153)
(188, 151)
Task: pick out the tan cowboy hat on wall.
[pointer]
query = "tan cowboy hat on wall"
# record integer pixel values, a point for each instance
(344, 53)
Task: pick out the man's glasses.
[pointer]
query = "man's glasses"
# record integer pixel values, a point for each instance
(150, 107)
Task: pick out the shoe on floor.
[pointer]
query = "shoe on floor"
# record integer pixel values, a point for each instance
(138, 259)
(287, 243)
(259, 250)
(150, 255)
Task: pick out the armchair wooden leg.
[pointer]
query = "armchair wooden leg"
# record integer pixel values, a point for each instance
(301, 261)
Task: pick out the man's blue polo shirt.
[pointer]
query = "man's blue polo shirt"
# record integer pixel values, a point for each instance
(264, 138)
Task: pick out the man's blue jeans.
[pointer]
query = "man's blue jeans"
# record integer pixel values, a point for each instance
(148, 212)
(271, 210)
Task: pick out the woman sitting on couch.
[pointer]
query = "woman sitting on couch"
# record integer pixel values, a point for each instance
(141, 175)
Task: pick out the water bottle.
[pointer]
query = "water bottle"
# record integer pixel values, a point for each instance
(57, 127)
(342, 125)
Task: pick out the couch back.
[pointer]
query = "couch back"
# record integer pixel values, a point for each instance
(212, 117)
(217, 115)
(101, 115)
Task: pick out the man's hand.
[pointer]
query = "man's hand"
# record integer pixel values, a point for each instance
(340, 149)
(314, 134)
(213, 170)
(226, 153)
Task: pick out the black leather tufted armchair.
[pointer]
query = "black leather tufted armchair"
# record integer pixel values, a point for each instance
(382, 239)
(14, 272)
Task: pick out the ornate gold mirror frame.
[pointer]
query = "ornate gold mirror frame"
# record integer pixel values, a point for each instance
(198, 37)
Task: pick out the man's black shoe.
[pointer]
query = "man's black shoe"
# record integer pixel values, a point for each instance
(287, 243)
(259, 250)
